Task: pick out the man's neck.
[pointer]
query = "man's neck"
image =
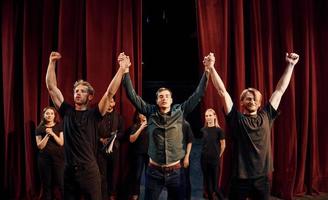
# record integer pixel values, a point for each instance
(164, 110)
(246, 112)
(81, 107)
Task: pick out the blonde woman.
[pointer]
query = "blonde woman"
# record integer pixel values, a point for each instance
(212, 149)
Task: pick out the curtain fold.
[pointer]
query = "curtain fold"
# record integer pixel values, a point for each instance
(249, 39)
(89, 35)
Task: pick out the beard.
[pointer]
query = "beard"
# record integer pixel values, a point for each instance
(251, 109)
(81, 101)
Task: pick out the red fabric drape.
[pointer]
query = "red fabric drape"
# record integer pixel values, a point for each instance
(249, 39)
(89, 35)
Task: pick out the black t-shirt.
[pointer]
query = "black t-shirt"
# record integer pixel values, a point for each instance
(80, 134)
(211, 147)
(140, 146)
(52, 148)
(188, 135)
(111, 122)
(252, 142)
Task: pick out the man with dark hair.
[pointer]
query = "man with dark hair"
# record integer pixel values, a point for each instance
(81, 176)
(165, 136)
(251, 133)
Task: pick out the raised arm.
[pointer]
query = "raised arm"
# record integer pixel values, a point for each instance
(283, 83)
(218, 83)
(124, 62)
(51, 81)
(136, 134)
(188, 105)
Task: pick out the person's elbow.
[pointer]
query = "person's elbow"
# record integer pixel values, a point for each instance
(223, 144)
(40, 146)
(132, 139)
(61, 143)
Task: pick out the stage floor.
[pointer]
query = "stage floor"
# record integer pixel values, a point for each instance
(196, 179)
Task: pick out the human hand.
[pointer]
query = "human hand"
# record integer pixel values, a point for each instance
(54, 56)
(143, 125)
(209, 61)
(49, 132)
(292, 58)
(104, 141)
(124, 62)
(186, 162)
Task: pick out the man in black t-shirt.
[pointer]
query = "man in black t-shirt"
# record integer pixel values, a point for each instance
(251, 133)
(81, 176)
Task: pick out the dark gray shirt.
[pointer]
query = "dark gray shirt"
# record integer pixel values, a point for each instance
(166, 140)
(80, 134)
(252, 142)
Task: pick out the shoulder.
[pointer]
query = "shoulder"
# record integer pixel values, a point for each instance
(64, 108)
(203, 129)
(59, 126)
(40, 128)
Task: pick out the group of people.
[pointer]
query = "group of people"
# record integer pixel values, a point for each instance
(88, 131)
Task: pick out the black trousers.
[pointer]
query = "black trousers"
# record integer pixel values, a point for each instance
(255, 188)
(109, 166)
(186, 183)
(51, 169)
(82, 181)
(139, 162)
(211, 171)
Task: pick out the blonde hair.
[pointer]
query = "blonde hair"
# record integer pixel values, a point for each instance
(257, 94)
(216, 121)
(91, 91)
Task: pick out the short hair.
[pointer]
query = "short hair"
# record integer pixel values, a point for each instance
(161, 90)
(257, 94)
(84, 83)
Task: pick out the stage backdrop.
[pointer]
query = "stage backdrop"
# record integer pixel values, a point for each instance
(89, 35)
(249, 39)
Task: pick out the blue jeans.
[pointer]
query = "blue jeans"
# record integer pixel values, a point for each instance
(156, 180)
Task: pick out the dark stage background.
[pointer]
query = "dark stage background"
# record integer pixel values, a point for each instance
(166, 41)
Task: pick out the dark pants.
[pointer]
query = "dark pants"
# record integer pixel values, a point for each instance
(156, 180)
(211, 172)
(139, 161)
(109, 170)
(255, 188)
(51, 168)
(186, 183)
(82, 180)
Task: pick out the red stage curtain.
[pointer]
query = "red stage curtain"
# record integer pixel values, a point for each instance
(249, 39)
(89, 35)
